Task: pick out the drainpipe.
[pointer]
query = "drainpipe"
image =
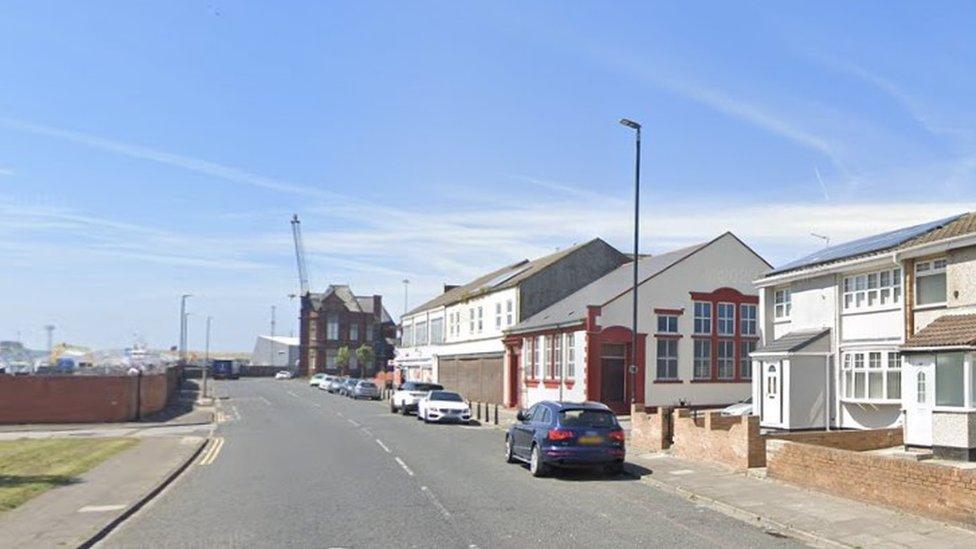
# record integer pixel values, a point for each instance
(827, 393)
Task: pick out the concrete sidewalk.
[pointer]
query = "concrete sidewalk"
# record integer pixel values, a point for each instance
(198, 418)
(70, 516)
(815, 518)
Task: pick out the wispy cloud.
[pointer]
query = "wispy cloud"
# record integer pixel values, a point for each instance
(6, 172)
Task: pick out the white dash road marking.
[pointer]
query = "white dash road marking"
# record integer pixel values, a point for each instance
(383, 446)
(101, 508)
(293, 394)
(367, 431)
(353, 423)
(211, 454)
(266, 401)
(404, 466)
(433, 499)
(316, 404)
(682, 472)
(340, 414)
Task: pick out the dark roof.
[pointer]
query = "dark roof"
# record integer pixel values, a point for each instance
(868, 246)
(354, 303)
(945, 331)
(506, 277)
(572, 308)
(793, 341)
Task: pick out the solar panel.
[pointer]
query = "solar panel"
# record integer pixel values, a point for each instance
(863, 246)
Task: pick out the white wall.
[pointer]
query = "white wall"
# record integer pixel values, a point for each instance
(726, 263)
(537, 391)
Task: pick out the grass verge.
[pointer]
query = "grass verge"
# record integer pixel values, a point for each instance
(29, 467)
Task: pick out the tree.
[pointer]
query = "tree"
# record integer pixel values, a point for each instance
(365, 356)
(342, 359)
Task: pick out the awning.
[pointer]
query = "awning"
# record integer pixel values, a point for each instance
(798, 342)
(949, 332)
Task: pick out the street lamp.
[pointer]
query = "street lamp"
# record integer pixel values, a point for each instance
(183, 327)
(633, 349)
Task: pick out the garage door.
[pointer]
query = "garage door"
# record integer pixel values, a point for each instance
(476, 378)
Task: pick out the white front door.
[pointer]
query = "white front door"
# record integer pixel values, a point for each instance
(918, 380)
(772, 405)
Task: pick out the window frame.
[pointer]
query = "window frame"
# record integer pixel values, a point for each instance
(702, 358)
(726, 361)
(721, 320)
(869, 291)
(570, 350)
(702, 323)
(745, 361)
(782, 303)
(746, 321)
(668, 319)
(668, 360)
(860, 367)
(932, 268)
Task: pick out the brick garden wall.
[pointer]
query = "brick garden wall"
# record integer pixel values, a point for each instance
(81, 398)
(648, 432)
(937, 491)
(858, 441)
(731, 441)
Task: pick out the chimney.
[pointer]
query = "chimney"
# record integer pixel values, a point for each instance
(378, 307)
(449, 287)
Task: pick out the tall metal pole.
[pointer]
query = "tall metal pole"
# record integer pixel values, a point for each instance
(183, 328)
(272, 335)
(406, 282)
(633, 349)
(206, 359)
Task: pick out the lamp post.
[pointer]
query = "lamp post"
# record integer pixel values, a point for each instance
(183, 299)
(272, 335)
(633, 349)
(406, 282)
(206, 358)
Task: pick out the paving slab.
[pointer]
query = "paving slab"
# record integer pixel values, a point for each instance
(70, 516)
(817, 518)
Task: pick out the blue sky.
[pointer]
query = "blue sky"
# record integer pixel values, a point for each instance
(147, 149)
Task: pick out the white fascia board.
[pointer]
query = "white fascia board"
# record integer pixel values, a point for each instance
(939, 246)
(936, 349)
(832, 268)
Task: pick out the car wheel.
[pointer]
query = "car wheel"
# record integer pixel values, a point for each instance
(426, 419)
(393, 409)
(509, 455)
(403, 410)
(536, 466)
(614, 469)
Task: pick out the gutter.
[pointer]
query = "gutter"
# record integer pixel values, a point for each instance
(529, 330)
(935, 349)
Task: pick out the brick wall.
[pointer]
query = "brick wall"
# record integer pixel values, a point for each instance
(82, 399)
(937, 491)
(649, 432)
(858, 441)
(732, 441)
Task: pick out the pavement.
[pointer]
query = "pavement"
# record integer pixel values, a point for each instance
(72, 515)
(816, 518)
(295, 466)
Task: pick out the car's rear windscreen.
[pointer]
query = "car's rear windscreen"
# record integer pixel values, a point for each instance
(587, 418)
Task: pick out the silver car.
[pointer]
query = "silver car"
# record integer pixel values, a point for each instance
(366, 389)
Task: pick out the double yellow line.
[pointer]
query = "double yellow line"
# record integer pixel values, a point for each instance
(210, 454)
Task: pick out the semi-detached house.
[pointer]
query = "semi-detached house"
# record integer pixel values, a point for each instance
(875, 333)
(455, 338)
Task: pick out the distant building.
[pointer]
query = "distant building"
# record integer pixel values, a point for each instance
(279, 351)
(338, 318)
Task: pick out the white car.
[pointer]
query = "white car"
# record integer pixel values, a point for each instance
(443, 406)
(324, 383)
(315, 380)
(408, 394)
(741, 408)
(283, 374)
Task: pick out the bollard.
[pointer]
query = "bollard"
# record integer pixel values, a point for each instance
(478, 411)
(496, 414)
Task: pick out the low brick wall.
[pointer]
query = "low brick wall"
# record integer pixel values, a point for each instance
(937, 491)
(83, 399)
(731, 441)
(649, 432)
(857, 441)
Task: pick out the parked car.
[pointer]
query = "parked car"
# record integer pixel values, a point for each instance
(408, 394)
(741, 408)
(566, 434)
(283, 374)
(324, 384)
(315, 380)
(365, 389)
(347, 386)
(443, 406)
(335, 386)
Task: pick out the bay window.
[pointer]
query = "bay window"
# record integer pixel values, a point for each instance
(949, 383)
(783, 305)
(930, 282)
(872, 290)
(332, 326)
(871, 375)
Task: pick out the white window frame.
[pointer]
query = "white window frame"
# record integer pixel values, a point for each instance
(471, 320)
(669, 362)
(498, 316)
(858, 367)
(509, 310)
(706, 360)
(557, 355)
(702, 319)
(481, 319)
(728, 361)
(931, 267)
(437, 335)
(670, 323)
(749, 325)
(745, 361)
(782, 303)
(570, 350)
(873, 290)
(729, 322)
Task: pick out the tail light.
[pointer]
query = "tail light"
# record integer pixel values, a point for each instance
(617, 436)
(560, 434)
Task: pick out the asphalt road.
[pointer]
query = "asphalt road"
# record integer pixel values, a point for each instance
(297, 467)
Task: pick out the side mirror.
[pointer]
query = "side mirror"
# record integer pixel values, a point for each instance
(521, 415)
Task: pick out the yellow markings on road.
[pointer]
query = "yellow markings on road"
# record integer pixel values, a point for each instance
(211, 453)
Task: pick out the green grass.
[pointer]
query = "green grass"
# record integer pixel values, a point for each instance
(29, 467)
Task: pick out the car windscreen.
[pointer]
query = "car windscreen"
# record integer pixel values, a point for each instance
(427, 387)
(445, 396)
(367, 384)
(587, 418)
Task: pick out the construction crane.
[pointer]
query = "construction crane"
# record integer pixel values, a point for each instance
(296, 230)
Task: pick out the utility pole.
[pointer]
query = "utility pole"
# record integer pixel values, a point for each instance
(633, 350)
(272, 335)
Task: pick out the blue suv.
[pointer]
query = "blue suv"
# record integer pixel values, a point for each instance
(566, 434)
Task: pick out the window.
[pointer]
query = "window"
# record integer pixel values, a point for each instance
(726, 359)
(872, 290)
(783, 305)
(930, 283)
(527, 358)
(471, 320)
(536, 352)
(369, 331)
(747, 312)
(921, 384)
(313, 331)
(509, 313)
(498, 316)
(745, 362)
(703, 359)
(330, 358)
(667, 359)
(332, 326)
(481, 316)
(557, 355)
(771, 386)
(949, 383)
(420, 333)
(547, 356)
(667, 324)
(406, 338)
(703, 317)
(570, 356)
(354, 332)
(872, 375)
(437, 330)
(726, 319)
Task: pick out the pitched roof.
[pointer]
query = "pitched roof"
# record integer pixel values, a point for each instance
(793, 341)
(873, 245)
(945, 331)
(572, 308)
(964, 224)
(506, 277)
(354, 303)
